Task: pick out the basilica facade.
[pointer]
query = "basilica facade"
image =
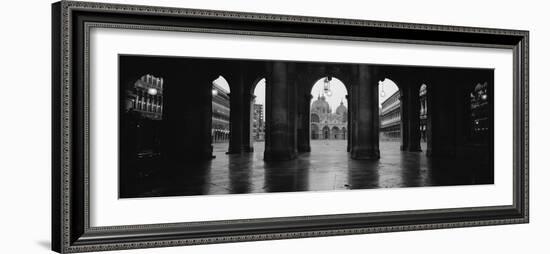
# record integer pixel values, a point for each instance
(324, 123)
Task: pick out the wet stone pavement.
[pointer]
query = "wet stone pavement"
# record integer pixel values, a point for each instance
(327, 167)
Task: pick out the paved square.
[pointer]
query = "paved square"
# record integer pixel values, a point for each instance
(327, 167)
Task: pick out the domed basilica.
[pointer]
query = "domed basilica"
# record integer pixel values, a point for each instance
(324, 123)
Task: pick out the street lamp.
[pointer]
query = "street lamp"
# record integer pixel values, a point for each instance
(326, 86)
(214, 90)
(382, 93)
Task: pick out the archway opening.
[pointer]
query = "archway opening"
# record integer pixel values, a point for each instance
(144, 105)
(257, 118)
(328, 114)
(389, 109)
(220, 116)
(423, 123)
(479, 120)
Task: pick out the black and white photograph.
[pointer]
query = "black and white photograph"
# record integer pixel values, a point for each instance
(212, 126)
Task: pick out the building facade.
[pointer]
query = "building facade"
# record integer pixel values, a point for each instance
(390, 116)
(423, 113)
(220, 114)
(258, 123)
(479, 114)
(144, 108)
(324, 123)
(186, 123)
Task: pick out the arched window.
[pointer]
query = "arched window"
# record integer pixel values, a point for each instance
(326, 132)
(314, 131)
(315, 118)
(335, 132)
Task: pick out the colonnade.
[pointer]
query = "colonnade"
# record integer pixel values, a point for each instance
(287, 105)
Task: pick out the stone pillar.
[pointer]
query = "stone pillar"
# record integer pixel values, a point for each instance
(404, 101)
(349, 125)
(248, 118)
(429, 109)
(365, 126)
(442, 119)
(236, 107)
(187, 124)
(413, 113)
(304, 124)
(280, 127)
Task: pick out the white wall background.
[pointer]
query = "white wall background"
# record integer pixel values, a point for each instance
(25, 126)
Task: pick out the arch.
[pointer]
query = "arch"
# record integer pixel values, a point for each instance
(314, 131)
(257, 107)
(338, 88)
(389, 108)
(146, 95)
(423, 124)
(221, 110)
(387, 88)
(335, 132)
(324, 105)
(257, 83)
(326, 132)
(143, 103)
(222, 83)
(315, 118)
(312, 74)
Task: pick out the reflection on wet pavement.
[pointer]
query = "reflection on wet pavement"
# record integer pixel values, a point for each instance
(327, 167)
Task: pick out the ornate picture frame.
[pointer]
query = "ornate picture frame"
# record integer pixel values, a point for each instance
(71, 228)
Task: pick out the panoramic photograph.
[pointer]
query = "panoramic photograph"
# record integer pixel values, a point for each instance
(213, 126)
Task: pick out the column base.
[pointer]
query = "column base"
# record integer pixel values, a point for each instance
(234, 151)
(365, 154)
(414, 149)
(442, 153)
(304, 149)
(284, 155)
(248, 149)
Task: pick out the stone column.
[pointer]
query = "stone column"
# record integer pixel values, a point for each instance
(280, 127)
(236, 98)
(365, 104)
(404, 101)
(248, 118)
(349, 125)
(442, 119)
(304, 124)
(187, 124)
(413, 108)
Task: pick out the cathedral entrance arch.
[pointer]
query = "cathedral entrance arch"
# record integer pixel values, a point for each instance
(326, 132)
(328, 111)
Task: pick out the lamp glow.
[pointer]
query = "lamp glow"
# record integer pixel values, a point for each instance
(152, 91)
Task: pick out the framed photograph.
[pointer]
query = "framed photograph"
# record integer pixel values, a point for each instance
(182, 126)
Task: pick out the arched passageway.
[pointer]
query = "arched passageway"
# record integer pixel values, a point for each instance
(455, 104)
(328, 109)
(389, 108)
(221, 110)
